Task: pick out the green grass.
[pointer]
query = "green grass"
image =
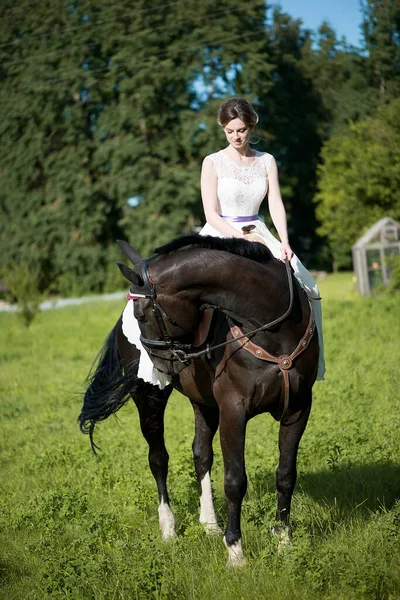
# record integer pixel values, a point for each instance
(338, 287)
(80, 527)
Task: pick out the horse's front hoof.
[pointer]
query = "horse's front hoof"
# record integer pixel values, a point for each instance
(168, 535)
(167, 522)
(236, 558)
(212, 529)
(284, 535)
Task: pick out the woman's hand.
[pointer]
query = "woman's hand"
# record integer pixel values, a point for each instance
(286, 251)
(254, 237)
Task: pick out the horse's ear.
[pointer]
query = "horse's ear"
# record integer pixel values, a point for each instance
(130, 253)
(130, 275)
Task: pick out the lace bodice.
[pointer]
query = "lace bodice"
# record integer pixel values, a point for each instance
(241, 189)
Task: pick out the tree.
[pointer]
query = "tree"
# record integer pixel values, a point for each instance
(359, 180)
(297, 113)
(55, 215)
(381, 28)
(107, 110)
(161, 116)
(99, 105)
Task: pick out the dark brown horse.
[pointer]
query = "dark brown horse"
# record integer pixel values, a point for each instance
(195, 301)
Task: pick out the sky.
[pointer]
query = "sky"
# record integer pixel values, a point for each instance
(344, 16)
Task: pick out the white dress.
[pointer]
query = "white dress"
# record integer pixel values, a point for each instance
(240, 193)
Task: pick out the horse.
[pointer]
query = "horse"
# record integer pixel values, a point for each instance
(233, 330)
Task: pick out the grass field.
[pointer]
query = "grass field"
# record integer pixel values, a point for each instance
(77, 526)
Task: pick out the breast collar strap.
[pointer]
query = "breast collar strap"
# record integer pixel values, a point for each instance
(284, 361)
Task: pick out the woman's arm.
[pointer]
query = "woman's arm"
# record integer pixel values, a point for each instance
(208, 184)
(277, 210)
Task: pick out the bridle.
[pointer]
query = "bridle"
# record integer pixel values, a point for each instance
(179, 351)
(166, 343)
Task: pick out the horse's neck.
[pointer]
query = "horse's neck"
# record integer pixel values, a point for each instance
(237, 284)
(248, 291)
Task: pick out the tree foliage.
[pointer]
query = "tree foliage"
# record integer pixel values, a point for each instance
(98, 106)
(107, 110)
(360, 173)
(381, 29)
(297, 112)
(359, 180)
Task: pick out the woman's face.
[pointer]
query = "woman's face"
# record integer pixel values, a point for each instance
(237, 133)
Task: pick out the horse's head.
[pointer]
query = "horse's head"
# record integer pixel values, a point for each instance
(165, 311)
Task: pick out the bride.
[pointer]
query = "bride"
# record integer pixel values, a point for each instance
(234, 182)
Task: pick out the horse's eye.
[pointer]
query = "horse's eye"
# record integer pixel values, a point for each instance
(142, 318)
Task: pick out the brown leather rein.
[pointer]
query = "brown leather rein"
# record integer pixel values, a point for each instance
(180, 351)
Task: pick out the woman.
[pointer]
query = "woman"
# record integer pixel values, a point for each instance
(234, 182)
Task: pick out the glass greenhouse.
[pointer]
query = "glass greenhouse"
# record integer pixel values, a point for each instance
(371, 254)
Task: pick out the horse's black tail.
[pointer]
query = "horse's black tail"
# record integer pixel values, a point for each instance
(109, 386)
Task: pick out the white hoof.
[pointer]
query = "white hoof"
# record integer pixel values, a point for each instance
(167, 521)
(236, 558)
(212, 528)
(284, 535)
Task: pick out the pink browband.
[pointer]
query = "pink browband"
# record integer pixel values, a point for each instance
(130, 296)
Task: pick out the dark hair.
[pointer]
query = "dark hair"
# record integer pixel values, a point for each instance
(237, 108)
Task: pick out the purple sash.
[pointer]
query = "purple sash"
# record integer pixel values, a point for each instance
(241, 219)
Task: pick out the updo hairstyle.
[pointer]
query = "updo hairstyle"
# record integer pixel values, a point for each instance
(237, 108)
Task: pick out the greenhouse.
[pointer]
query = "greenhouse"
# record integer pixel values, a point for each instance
(372, 255)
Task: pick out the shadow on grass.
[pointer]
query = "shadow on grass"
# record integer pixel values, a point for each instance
(368, 488)
(345, 491)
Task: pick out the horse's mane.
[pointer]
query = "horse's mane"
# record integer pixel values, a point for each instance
(252, 250)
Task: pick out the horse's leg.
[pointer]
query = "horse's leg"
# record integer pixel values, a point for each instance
(151, 409)
(151, 403)
(232, 429)
(286, 473)
(206, 424)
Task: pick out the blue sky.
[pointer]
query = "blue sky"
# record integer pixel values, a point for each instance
(344, 16)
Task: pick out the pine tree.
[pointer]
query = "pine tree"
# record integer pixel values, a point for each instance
(56, 216)
(102, 108)
(297, 112)
(381, 29)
